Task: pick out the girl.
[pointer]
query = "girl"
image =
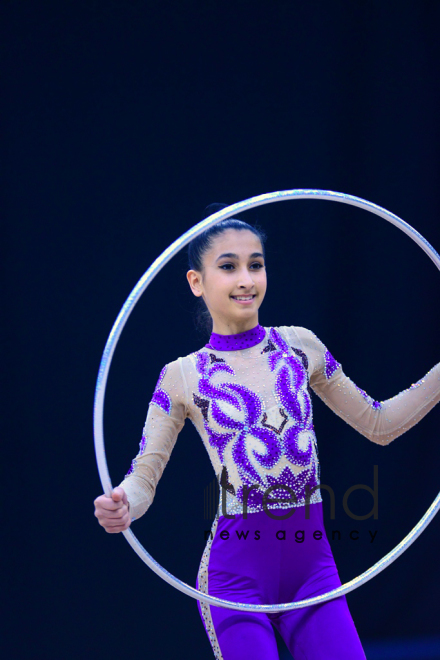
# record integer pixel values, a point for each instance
(248, 393)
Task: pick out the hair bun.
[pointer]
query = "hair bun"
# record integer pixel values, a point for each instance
(212, 208)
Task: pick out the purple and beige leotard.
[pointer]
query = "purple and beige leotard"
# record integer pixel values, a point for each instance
(249, 397)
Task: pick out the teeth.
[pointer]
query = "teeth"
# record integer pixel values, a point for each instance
(243, 297)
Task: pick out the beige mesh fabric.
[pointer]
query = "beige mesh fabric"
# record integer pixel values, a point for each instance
(160, 432)
(396, 415)
(251, 369)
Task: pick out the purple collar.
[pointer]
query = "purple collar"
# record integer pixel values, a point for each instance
(237, 342)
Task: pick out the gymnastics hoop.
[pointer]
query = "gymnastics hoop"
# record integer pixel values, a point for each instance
(112, 341)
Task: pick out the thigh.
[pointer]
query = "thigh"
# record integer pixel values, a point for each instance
(325, 631)
(322, 632)
(237, 635)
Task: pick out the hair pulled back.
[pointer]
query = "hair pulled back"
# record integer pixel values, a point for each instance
(198, 247)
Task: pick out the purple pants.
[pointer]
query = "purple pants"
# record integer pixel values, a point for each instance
(298, 564)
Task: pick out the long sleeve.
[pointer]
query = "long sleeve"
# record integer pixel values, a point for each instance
(379, 421)
(166, 417)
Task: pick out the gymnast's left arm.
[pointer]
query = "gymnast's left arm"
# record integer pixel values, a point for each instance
(379, 421)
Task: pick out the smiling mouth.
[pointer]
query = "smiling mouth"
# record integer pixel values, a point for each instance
(244, 298)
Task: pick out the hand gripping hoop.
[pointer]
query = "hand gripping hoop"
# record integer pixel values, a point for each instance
(112, 341)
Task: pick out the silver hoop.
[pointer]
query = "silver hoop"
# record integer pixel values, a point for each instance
(112, 341)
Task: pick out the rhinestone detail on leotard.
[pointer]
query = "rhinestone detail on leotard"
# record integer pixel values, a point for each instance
(202, 579)
(263, 455)
(238, 342)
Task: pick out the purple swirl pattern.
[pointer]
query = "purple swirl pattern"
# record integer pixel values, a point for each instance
(296, 442)
(142, 445)
(161, 398)
(291, 389)
(330, 364)
(248, 404)
(374, 404)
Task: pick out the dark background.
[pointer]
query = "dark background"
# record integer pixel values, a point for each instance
(122, 121)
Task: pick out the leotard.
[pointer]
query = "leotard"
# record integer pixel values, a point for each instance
(249, 397)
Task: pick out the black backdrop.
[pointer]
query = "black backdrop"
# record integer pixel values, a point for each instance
(123, 120)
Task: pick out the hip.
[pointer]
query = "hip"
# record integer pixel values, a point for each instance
(276, 557)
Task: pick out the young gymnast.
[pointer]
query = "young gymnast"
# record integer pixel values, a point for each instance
(248, 393)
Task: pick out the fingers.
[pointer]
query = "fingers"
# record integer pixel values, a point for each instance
(119, 494)
(115, 525)
(115, 530)
(113, 512)
(107, 503)
(112, 515)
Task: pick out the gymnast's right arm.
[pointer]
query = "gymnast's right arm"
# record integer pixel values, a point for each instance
(165, 419)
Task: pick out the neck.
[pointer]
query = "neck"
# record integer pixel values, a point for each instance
(228, 327)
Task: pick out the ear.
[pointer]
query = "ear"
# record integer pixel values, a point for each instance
(195, 282)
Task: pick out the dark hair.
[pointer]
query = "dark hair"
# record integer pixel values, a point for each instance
(202, 243)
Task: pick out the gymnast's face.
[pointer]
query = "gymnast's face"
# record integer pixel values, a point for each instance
(233, 281)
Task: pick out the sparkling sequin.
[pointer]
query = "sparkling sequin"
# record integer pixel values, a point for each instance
(270, 347)
(240, 341)
(414, 385)
(273, 428)
(161, 398)
(374, 404)
(224, 481)
(203, 585)
(330, 364)
(203, 404)
(131, 468)
(236, 424)
(252, 408)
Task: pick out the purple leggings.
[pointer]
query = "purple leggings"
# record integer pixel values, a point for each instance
(275, 570)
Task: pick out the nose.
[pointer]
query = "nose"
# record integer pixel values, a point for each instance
(245, 280)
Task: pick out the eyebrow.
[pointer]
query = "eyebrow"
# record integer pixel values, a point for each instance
(232, 255)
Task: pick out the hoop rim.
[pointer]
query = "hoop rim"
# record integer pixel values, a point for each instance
(111, 344)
